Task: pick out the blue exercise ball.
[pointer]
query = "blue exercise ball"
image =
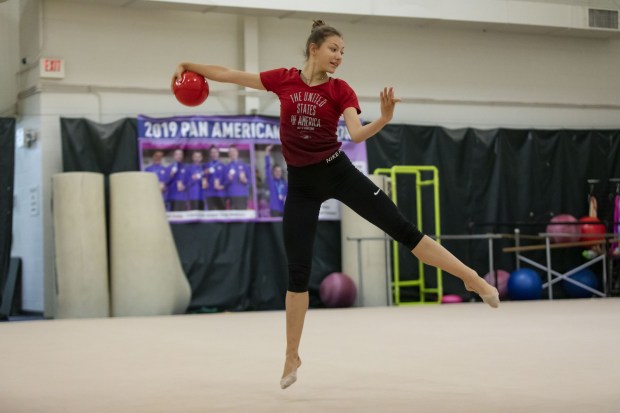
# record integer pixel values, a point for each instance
(524, 284)
(584, 276)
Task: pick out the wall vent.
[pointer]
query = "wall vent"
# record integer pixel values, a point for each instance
(603, 19)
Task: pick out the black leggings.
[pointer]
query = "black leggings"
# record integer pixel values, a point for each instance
(309, 186)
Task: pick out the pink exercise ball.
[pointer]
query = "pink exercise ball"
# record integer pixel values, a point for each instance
(451, 299)
(502, 282)
(562, 224)
(338, 290)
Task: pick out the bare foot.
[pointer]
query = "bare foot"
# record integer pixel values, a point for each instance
(289, 375)
(486, 291)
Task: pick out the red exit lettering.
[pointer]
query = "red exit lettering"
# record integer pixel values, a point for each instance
(53, 65)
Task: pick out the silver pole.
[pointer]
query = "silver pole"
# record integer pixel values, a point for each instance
(517, 244)
(548, 251)
(491, 266)
(605, 269)
(388, 271)
(360, 292)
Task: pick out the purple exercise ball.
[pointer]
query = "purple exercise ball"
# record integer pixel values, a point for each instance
(502, 282)
(337, 290)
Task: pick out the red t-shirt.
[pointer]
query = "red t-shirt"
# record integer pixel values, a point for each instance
(308, 114)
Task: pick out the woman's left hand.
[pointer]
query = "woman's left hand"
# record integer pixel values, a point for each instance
(388, 103)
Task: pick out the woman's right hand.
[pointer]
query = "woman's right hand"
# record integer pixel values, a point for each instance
(177, 75)
(220, 74)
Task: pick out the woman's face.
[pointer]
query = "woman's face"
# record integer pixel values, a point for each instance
(277, 172)
(214, 153)
(197, 157)
(157, 156)
(178, 155)
(329, 55)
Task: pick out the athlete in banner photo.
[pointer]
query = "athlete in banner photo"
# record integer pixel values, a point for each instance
(215, 192)
(197, 182)
(177, 182)
(307, 147)
(237, 176)
(276, 183)
(160, 170)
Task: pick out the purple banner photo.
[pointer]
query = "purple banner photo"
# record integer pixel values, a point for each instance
(225, 168)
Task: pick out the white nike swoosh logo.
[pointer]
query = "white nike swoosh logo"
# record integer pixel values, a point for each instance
(378, 190)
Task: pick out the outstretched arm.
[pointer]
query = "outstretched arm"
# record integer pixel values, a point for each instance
(359, 132)
(220, 74)
(268, 176)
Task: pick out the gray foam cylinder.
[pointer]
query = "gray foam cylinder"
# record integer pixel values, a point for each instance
(146, 273)
(373, 254)
(81, 251)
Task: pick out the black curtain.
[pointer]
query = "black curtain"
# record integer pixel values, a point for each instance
(7, 171)
(93, 147)
(490, 181)
(242, 266)
(230, 267)
(495, 180)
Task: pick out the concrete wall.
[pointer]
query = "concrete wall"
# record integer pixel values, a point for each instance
(31, 206)
(119, 62)
(9, 61)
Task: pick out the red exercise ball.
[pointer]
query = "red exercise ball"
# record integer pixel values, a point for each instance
(562, 224)
(192, 89)
(337, 290)
(591, 229)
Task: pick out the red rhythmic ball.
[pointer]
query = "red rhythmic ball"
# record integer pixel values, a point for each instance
(592, 229)
(191, 89)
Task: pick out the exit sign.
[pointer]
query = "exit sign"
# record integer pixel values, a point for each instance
(52, 68)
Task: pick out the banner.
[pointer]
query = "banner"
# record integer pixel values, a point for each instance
(225, 168)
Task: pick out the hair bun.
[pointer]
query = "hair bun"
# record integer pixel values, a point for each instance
(317, 23)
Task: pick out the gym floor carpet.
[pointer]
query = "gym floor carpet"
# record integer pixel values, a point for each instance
(537, 356)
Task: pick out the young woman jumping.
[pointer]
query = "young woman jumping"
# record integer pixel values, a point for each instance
(311, 103)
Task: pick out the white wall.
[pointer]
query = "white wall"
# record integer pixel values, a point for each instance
(9, 61)
(29, 210)
(472, 72)
(470, 78)
(110, 47)
(119, 62)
